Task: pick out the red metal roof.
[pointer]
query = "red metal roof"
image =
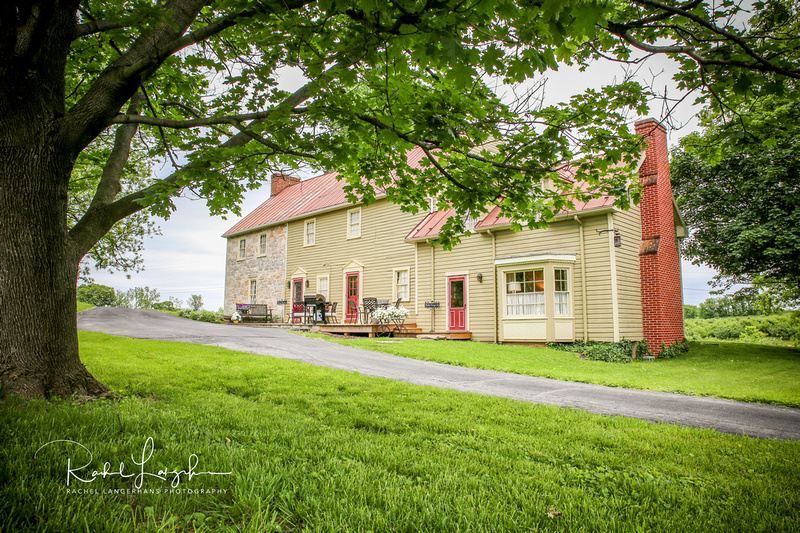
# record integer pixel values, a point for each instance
(432, 224)
(327, 192)
(301, 199)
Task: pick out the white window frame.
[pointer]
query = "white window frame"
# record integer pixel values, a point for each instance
(306, 234)
(252, 291)
(506, 293)
(262, 253)
(395, 292)
(350, 235)
(241, 253)
(327, 292)
(568, 292)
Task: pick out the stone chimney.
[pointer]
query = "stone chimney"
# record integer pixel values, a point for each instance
(280, 182)
(659, 259)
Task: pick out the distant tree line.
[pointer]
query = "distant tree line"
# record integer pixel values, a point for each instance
(135, 298)
(745, 302)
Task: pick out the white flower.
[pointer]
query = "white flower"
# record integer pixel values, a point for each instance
(392, 313)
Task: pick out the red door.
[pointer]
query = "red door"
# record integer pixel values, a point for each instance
(351, 284)
(456, 304)
(297, 296)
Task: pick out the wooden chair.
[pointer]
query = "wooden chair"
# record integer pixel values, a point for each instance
(397, 304)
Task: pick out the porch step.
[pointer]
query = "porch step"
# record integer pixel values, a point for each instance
(441, 335)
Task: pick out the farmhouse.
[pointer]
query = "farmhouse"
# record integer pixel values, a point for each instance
(596, 273)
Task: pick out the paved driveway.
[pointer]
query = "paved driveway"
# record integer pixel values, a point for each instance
(722, 415)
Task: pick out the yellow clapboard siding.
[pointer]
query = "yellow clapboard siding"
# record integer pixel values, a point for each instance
(380, 249)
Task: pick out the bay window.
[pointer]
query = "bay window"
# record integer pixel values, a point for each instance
(525, 293)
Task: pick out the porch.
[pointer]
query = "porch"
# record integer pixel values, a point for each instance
(409, 330)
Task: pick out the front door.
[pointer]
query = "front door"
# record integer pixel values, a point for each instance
(297, 290)
(456, 304)
(351, 286)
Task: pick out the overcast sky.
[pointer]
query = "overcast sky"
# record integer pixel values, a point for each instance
(189, 257)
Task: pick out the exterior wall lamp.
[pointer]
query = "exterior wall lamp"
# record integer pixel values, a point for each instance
(480, 278)
(617, 236)
(307, 284)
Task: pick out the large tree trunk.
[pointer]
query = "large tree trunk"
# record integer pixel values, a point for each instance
(38, 277)
(38, 261)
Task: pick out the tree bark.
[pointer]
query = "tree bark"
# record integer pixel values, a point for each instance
(38, 278)
(38, 261)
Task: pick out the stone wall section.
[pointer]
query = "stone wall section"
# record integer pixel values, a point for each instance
(268, 270)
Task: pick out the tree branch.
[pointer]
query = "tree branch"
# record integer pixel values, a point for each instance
(111, 180)
(96, 223)
(760, 63)
(197, 122)
(96, 26)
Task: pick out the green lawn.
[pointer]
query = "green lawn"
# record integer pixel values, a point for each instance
(315, 449)
(83, 306)
(748, 372)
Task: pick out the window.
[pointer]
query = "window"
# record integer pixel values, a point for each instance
(354, 223)
(253, 291)
(322, 286)
(525, 293)
(242, 248)
(262, 244)
(401, 284)
(561, 290)
(469, 222)
(310, 237)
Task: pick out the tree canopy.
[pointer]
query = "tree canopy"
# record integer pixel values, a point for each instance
(119, 85)
(738, 187)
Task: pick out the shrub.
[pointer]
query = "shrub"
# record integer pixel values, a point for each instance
(750, 329)
(95, 294)
(201, 316)
(164, 306)
(752, 334)
(674, 350)
(610, 352)
(727, 329)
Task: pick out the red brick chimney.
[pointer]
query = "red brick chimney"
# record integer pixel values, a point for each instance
(280, 182)
(659, 260)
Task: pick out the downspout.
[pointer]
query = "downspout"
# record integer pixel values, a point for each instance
(494, 291)
(583, 282)
(614, 292)
(416, 280)
(433, 282)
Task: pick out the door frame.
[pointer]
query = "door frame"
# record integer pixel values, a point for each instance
(347, 276)
(294, 282)
(465, 277)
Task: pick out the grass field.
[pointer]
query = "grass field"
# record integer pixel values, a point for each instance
(737, 371)
(315, 449)
(83, 306)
